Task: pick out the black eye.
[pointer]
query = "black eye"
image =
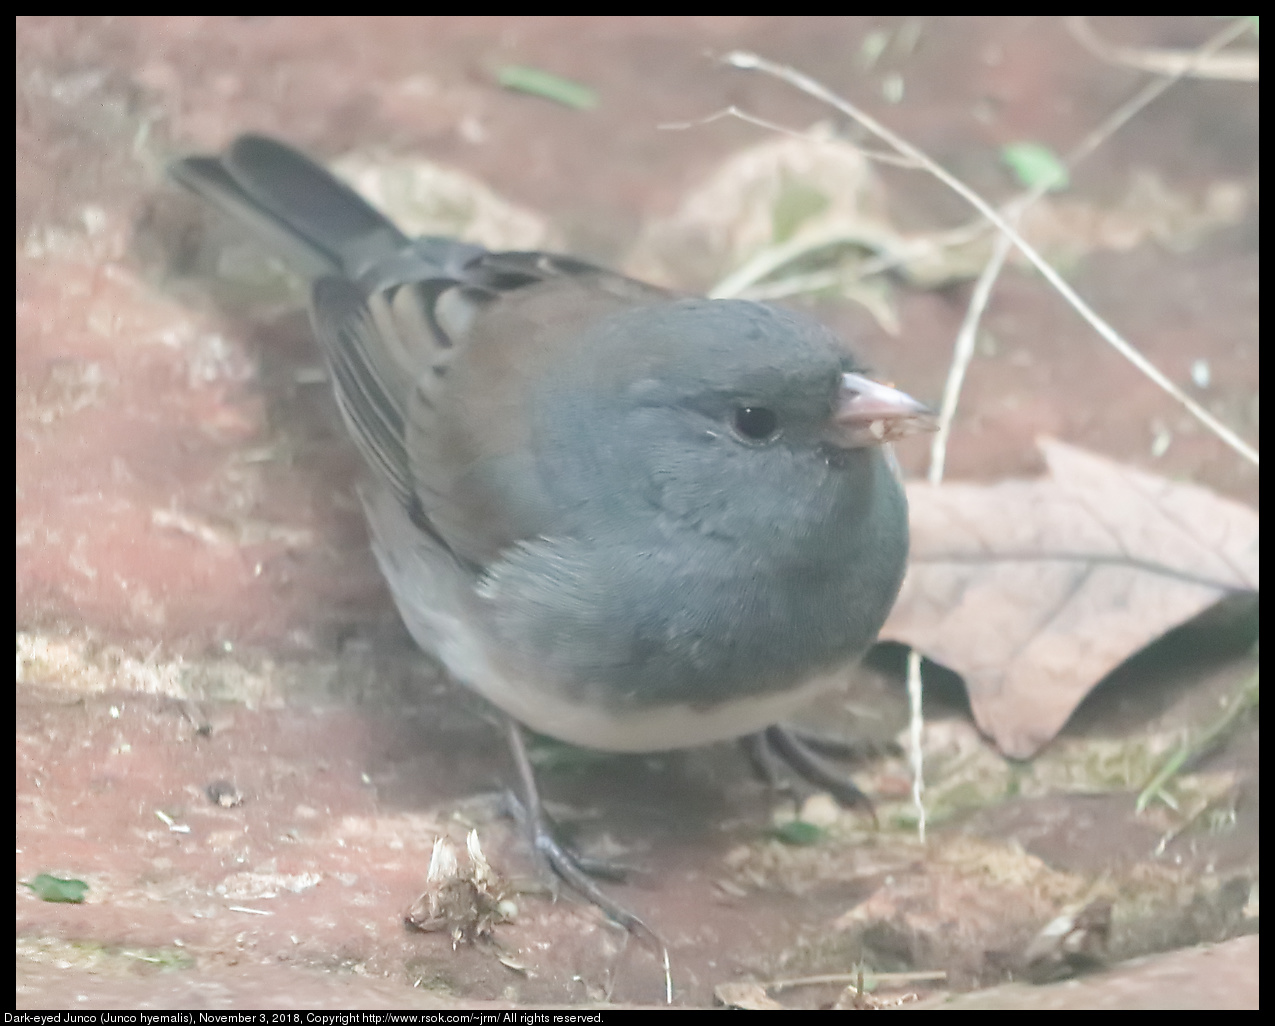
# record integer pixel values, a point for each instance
(756, 423)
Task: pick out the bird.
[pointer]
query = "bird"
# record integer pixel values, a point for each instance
(631, 519)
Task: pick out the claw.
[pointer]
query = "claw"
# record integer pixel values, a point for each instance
(775, 743)
(568, 866)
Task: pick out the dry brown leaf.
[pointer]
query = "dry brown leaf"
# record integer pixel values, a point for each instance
(1033, 591)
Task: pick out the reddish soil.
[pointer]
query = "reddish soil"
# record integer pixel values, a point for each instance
(185, 498)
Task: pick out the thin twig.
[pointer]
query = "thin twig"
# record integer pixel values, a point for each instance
(811, 87)
(916, 751)
(919, 976)
(732, 111)
(963, 353)
(743, 281)
(1233, 67)
(964, 348)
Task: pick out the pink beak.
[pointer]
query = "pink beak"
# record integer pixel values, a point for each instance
(870, 413)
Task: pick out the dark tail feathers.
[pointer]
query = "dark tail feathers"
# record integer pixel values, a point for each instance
(318, 222)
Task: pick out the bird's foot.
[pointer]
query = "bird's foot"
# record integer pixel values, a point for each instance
(569, 866)
(575, 869)
(800, 752)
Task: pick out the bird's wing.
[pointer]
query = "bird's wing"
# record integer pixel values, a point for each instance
(434, 345)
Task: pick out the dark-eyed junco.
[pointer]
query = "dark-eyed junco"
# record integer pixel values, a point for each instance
(630, 519)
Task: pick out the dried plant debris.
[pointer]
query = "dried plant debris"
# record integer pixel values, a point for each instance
(465, 901)
(782, 210)
(810, 213)
(1072, 942)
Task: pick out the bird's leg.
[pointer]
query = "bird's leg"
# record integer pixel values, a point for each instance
(566, 864)
(799, 754)
(766, 763)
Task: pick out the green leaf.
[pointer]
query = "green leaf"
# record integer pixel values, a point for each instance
(799, 832)
(52, 888)
(1035, 166)
(523, 79)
